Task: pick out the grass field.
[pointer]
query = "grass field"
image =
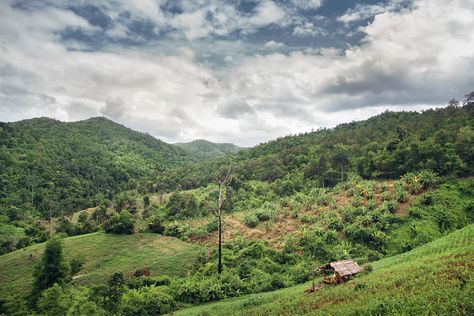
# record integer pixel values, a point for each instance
(434, 279)
(103, 255)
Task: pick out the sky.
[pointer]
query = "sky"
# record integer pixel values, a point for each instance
(242, 71)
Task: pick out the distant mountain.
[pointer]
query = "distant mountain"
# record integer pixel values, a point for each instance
(204, 149)
(47, 164)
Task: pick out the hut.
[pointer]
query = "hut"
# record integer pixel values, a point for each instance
(343, 270)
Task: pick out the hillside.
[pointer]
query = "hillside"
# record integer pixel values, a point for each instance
(434, 279)
(382, 147)
(103, 254)
(48, 165)
(204, 149)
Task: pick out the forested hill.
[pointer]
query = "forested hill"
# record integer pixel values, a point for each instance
(47, 164)
(382, 147)
(206, 150)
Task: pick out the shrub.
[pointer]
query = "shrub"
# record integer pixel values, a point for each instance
(147, 301)
(156, 226)
(301, 272)
(136, 283)
(368, 268)
(374, 256)
(415, 212)
(428, 178)
(390, 206)
(251, 220)
(310, 219)
(402, 195)
(357, 201)
(334, 222)
(75, 265)
(121, 223)
(212, 226)
(386, 195)
(54, 301)
(371, 204)
(427, 199)
(175, 229)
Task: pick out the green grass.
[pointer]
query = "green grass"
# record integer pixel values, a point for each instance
(103, 254)
(434, 279)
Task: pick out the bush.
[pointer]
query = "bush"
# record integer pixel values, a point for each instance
(141, 281)
(212, 226)
(368, 268)
(75, 265)
(372, 204)
(390, 206)
(121, 223)
(309, 219)
(301, 272)
(402, 195)
(427, 199)
(54, 301)
(386, 195)
(251, 220)
(156, 226)
(147, 301)
(175, 229)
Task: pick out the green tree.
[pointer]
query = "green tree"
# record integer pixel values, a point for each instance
(341, 158)
(54, 301)
(121, 223)
(51, 270)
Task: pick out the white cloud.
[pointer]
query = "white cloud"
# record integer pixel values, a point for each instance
(307, 4)
(274, 45)
(306, 28)
(365, 11)
(407, 59)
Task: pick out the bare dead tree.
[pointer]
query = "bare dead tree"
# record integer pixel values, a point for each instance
(222, 183)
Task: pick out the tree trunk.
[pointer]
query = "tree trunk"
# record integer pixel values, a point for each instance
(219, 251)
(342, 172)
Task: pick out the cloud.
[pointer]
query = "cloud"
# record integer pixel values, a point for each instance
(365, 11)
(307, 4)
(306, 28)
(185, 84)
(274, 45)
(234, 108)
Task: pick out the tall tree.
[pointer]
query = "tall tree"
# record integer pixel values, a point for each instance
(50, 270)
(341, 158)
(222, 182)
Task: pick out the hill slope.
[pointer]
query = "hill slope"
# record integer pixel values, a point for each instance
(385, 146)
(103, 255)
(204, 149)
(52, 165)
(434, 279)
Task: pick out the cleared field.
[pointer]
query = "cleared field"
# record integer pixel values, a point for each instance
(434, 279)
(103, 255)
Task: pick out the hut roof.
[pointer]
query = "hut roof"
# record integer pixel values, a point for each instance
(345, 267)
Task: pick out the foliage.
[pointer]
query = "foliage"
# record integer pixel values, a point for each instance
(251, 220)
(50, 270)
(120, 223)
(156, 225)
(51, 166)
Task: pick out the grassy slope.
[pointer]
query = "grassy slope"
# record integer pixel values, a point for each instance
(104, 254)
(437, 278)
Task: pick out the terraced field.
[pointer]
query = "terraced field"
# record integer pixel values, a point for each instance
(103, 255)
(434, 279)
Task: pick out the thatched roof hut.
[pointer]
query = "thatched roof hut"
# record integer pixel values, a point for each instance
(342, 270)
